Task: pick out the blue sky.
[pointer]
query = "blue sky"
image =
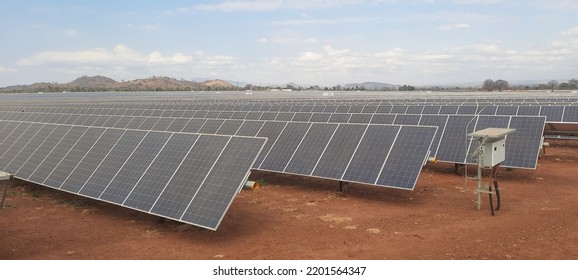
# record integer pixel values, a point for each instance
(309, 42)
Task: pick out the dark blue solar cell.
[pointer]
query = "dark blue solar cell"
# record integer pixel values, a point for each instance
(402, 168)
(310, 149)
(407, 119)
(282, 150)
(373, 149)
(570, 114)
(334, 160)
(552, 113)
(454, 145)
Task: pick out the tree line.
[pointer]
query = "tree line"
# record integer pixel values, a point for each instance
(499, 85)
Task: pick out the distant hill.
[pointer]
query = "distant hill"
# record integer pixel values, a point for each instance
(370, 86)
(101, 83)
(290, 85)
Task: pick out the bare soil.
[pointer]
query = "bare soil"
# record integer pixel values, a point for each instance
(294, 218)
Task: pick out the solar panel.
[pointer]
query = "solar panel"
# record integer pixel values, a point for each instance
(177, 194)
(339, 150)
(453, 145)
(431, 109)
(76, 154)
(363, 167)
(407, 119)
(151, 185)
(92, 152)
(400, 167)
(57, 153)
(112, 163)
(360, 118)
(277, 157)
(271, 131)
(13, 132)
(507, 110)
(194, 125)
(339, 118)
(42, 151)
(150, 171)
(310, 149)
(487, 110)
(118, 188)
(302, 117)
(225, 179)
(570, 114)
(383, 118)
(17, 146)
(523, 146)
(528, 111)
(522, 149)
(452, 150)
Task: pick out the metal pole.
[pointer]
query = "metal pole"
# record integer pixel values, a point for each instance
(4, 179)
(3, 192)
(480, 166)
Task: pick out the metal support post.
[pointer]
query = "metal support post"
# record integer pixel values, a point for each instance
(4, 181)
(480, 187)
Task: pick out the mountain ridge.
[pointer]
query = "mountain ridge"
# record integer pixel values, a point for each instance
(103, 83)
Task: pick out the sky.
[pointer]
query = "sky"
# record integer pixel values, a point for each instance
(308, 42)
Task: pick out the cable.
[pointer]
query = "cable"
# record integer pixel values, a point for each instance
(494, 181)
(497, 188)
(491, 201)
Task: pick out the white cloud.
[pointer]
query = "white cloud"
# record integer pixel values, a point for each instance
(450, 16)
(571, 32)
(266, 5)
(271, 5)
(228, 6)
(218, 60)
(285, 37)
(469, 2)
(310, 57)
(158, 58)
(70, 32)
(6, 69)
(334, 21)
(331, 64)
(146, 27)
(310, 40)
(455, 26)
(122, 62)
(119, 55)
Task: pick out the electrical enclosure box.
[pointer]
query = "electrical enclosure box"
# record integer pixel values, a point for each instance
(493, 149)
(494, 152)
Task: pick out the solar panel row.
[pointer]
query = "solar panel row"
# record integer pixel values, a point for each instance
(284, 152)
(215, 102)
(449, 143)
(171, 157)
(181, 176)
(553, 113)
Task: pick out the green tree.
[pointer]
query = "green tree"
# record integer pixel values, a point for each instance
(406, 88)
(488, 85)
(501, 85)
(565, 86)
(553, 84)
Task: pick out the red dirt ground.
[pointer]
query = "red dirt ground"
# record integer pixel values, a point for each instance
(296, 218)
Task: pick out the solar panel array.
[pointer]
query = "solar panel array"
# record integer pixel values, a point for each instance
(553, 113)
(448, 144)
(302, 148)
(187, 177)
(185, 156)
